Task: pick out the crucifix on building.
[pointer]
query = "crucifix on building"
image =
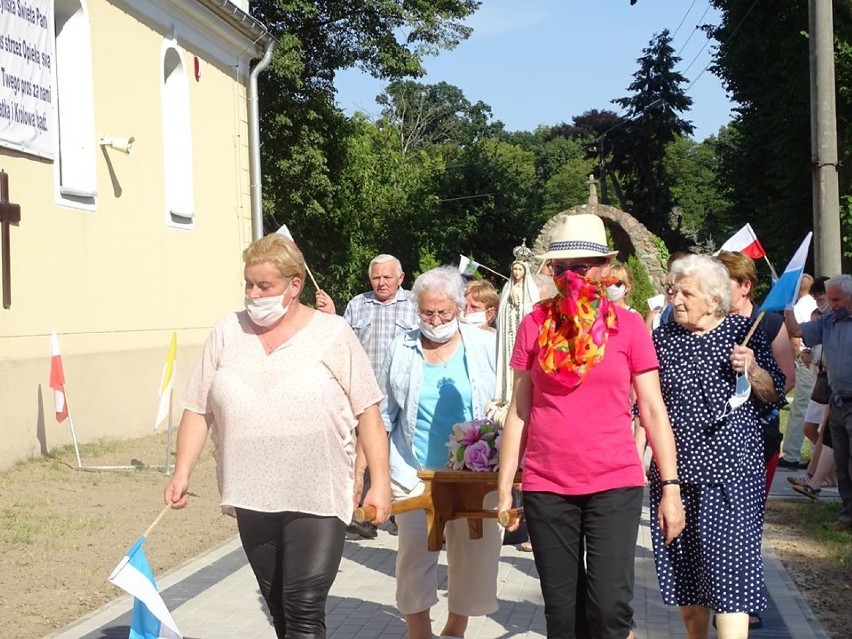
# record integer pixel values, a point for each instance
(10, 213)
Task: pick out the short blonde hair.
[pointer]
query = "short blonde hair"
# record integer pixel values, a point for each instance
(620, 272)
(483, 292)
(278, 251)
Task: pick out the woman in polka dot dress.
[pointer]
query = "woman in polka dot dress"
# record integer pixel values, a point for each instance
(715, 564)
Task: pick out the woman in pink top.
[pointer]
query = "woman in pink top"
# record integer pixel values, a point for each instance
(281, 388)
(575, 360)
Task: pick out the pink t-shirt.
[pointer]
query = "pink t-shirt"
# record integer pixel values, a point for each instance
(580, 441)
(282, 423)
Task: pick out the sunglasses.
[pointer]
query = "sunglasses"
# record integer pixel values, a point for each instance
(580, 269)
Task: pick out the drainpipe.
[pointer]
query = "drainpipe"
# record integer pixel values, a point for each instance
(254, 142)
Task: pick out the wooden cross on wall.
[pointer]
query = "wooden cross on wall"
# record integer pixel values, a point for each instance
(10, 213)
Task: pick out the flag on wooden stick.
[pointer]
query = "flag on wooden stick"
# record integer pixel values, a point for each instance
(151, 618)
(745, 241)
(467, 266)
(167, 383)
(286, 233)
(57, 379)
(785, 291)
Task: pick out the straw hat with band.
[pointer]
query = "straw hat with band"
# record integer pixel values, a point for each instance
(575, 325)
(578, 236)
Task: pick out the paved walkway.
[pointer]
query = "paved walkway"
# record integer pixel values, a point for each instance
(215, 597)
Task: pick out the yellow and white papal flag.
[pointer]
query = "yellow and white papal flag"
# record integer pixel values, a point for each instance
(167, 383)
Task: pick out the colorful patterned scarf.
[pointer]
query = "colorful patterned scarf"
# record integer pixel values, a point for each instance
(577, 322)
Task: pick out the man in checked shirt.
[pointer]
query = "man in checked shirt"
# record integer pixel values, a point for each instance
(376, 317)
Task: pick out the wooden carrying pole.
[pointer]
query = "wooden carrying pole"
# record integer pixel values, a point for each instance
(507, 518)
(420, 502)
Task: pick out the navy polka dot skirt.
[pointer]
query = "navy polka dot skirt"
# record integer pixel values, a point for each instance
(716, 561)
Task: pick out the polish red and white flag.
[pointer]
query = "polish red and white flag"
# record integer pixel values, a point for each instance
(745, 241)
(57, 379)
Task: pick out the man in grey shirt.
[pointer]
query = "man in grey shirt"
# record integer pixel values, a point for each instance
(834, 332)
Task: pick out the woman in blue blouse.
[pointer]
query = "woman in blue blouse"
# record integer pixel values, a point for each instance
(433, 377)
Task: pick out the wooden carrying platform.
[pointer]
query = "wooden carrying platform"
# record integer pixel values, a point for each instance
(447, 495)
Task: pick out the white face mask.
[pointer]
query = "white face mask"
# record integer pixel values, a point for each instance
(742, 392)
(440, 334)
(615, 293)
(477, 318)
(266, 311)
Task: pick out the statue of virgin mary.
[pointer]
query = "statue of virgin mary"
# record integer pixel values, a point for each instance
(519, 295)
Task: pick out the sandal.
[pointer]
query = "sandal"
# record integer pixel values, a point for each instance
(807, 491)
(800, 480)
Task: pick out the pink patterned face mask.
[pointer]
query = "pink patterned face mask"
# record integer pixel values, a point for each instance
(572, 339)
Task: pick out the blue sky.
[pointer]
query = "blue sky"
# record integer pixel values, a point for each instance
(544, 61)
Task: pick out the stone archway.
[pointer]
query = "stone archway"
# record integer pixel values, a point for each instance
(630, 236)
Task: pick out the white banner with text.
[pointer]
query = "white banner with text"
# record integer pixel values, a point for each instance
(27, 92)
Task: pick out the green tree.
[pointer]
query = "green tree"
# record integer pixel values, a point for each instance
(638, 147)
(696, 193)
(305, 144)
(567, 187)
(486, 203)
(434, 114)
(589, 125)
(763, 59)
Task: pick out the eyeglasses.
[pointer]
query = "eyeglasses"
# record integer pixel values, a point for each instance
(580, 269)
(444, 315)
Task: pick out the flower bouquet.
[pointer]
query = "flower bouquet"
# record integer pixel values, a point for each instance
(475, 445)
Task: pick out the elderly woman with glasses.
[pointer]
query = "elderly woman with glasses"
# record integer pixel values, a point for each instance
(435, 376)
(576, 359)
(715, 386)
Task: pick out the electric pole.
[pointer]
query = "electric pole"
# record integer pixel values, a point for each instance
(826, 197)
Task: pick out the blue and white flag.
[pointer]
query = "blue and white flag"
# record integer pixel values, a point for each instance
(467, 266)
(785, 291)
(151, 619)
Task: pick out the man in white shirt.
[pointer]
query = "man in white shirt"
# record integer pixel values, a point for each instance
(791, 447)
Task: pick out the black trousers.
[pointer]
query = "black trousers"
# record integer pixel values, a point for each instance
(606, 524)
(295, 558)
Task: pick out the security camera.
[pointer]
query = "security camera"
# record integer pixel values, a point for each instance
(125, 145)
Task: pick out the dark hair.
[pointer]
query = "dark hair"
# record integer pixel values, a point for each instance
(674, 257)
(818, 286)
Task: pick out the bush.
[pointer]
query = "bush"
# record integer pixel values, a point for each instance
(642, 287)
